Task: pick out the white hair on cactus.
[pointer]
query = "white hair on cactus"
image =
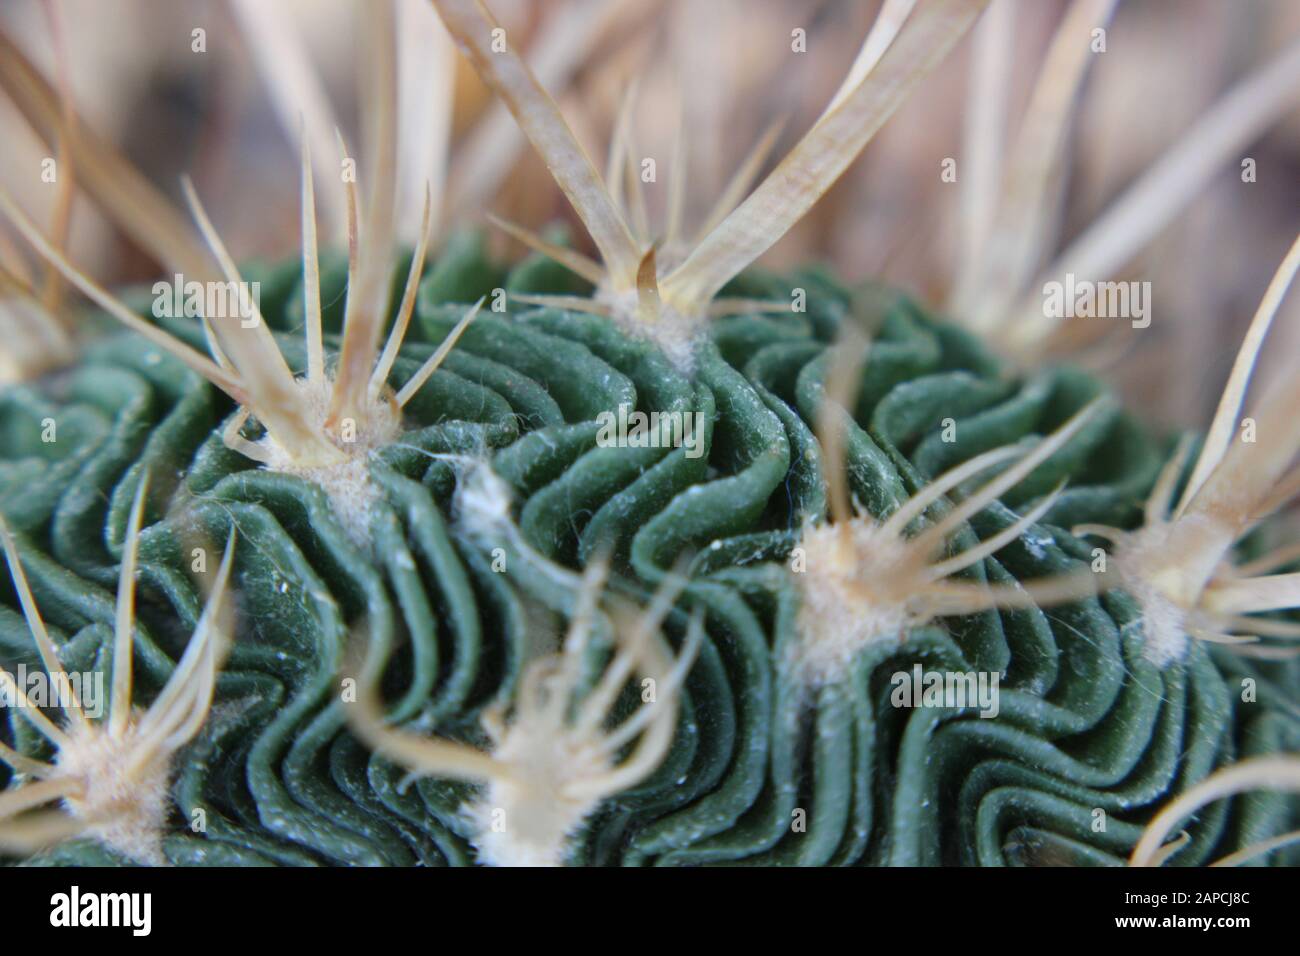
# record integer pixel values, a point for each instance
(482, 500)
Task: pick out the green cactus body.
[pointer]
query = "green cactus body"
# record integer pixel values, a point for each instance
(453, 604)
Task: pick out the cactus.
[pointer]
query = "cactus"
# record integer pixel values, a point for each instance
(849, 605)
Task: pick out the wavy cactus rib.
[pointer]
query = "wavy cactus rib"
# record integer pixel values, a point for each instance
(281, 779)
(530, 645)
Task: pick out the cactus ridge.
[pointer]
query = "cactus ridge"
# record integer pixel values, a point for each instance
(1086, 724)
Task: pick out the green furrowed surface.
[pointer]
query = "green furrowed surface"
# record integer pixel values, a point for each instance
(1086, 724)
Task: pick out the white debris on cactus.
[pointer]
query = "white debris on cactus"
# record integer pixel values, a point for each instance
(482, 507)
(482, 500)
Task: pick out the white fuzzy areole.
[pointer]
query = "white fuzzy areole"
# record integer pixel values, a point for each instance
(125, 811)
(677, 335)
(482, 500)
(347, 484)
(1165, 566)
(1157, 566)
(530, 819)
(1164, 624)
(850, 599)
